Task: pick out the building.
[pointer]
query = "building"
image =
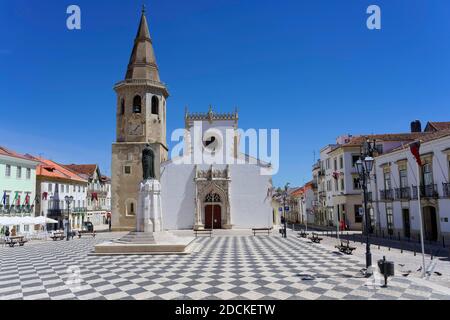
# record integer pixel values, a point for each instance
(17, 185)
(339, 194)
(98, 192)
(397, 204)
(140, 119)
(53, 183)
(217, 195)
(194, 195)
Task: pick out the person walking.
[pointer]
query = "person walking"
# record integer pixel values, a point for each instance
(7, 234)
(13, 232)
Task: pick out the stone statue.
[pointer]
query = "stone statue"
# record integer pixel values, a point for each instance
(148, 163)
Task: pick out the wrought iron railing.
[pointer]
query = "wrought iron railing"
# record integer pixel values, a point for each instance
(446, 187)
(403, 193)
(426, 191)
(387, 194)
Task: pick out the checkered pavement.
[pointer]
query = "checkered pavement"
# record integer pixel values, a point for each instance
(225, 267)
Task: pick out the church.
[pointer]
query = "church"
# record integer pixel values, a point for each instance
(210, 193)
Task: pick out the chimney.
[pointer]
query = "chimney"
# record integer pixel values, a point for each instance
(416, 126)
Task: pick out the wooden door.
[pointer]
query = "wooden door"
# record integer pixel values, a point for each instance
(213, 216)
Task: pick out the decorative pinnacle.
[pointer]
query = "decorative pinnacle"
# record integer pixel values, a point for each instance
(143, 8)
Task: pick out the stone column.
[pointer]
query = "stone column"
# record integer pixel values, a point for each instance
(198, 212)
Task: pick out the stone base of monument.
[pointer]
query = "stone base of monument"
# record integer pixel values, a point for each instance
(162, 242)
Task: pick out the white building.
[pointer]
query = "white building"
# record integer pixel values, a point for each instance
(214, 195)
(98, 192)
(396, 176)
(17, 186)
(53, 183)
(339, 190)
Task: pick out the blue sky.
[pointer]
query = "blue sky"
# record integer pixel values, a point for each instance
(310, 68)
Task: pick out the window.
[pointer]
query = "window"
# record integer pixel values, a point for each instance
(327, 165)
(336, 185)
(355, 158)
(212, 197)
(358, 213)
(403, 177)
(74, 188)
(155, 105)
(341, 162)
(342, 185)
(387, 180)
(329, 185)
(427, 174)
(137, 104)
(127, 169)
(356, 183)
(335, 164)
(50, 187)
(8, 171)
(79, 188)
(122, 106)
(390, 220)
(379, 148)
(19, 172)
(28, 173)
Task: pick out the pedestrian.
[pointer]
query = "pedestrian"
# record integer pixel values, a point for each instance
(109, 222)
(13, 232)
(7, 234)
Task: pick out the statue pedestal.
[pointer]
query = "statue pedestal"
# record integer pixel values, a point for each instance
(149, 237)
(149, 212)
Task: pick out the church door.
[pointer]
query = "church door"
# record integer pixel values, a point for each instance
(213, 216)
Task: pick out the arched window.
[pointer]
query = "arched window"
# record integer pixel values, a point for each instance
(137, 104)
(122, 106)
(155, 105)
(212, 197)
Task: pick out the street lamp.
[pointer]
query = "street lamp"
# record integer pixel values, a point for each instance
(285, 193)
(68, 201)
(364, 167)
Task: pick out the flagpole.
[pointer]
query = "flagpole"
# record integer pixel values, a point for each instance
(420, 220)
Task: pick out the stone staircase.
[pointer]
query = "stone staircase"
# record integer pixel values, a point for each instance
(137, 238)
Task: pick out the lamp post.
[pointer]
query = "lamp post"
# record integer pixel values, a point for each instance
(68, 201)
(285, 193)
(364, 166)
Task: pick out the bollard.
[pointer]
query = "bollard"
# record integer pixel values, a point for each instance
(378, 247)
(389, 249)
(383, 234)
(399, 236)
(414, 252)
(443, 242)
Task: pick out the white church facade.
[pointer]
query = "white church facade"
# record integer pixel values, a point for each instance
(225, 189)
(222, 188)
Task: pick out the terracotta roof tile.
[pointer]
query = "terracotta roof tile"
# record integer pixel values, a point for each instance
(51, 169)
(7, 152)
(86, 169)
(440, 125)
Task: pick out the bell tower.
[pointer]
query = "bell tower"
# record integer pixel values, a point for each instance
(140, 119)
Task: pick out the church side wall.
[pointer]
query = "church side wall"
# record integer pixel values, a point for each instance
(250, 205)
(178, 196)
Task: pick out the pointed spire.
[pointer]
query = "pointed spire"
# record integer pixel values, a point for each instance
(142, 63)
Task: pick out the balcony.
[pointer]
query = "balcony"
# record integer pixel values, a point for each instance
(387, 195)
(16, 209)
(446, 187)
(427, 191)
(403, 193)
(55, 212)
(79, 210)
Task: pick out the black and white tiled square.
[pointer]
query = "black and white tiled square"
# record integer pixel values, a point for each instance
(228, 267)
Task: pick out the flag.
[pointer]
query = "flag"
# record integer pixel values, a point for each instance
(415, 150)
(94, 196)
(16, 197)
(4, 198)
(44, 195)
(27, 199)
